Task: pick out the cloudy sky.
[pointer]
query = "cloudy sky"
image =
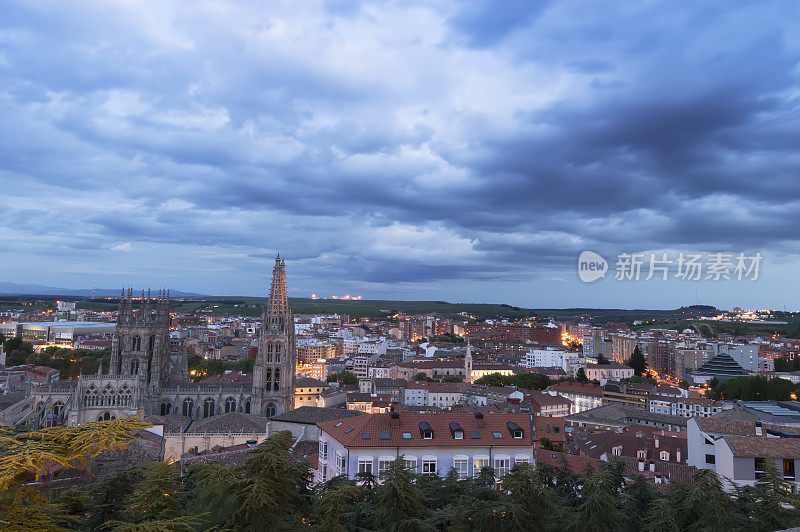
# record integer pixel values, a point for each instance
(466, 151)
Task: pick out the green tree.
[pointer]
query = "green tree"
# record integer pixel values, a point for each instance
(271, 492)
(493, 379)
(531, 505)
(215, 366)
(602, 360)
(638, 362)
(209, 490)
(398, 504)
(599, 509)
(156, 497)
(336, 507)
(26, 453)
(661, 517)
(344, 378)
(581, 375)
(704, 505)
(774, 507)
(453, 378)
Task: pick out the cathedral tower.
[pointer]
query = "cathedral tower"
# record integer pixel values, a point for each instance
(141, 345)
(274, 371)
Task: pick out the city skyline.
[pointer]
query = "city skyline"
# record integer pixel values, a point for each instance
(427, 151)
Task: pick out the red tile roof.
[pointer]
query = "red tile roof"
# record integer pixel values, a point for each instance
(350, 431)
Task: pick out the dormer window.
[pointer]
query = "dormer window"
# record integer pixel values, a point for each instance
(456, 431)
(426, 431)
(515, 430)
(664, 455)
(617, 451)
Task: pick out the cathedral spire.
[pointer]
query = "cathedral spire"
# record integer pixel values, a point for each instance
(277, 311)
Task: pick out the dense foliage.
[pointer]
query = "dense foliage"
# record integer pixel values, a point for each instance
(528, 381)
(753, 389)
(200, 367)
(637, 362)
(273, 492)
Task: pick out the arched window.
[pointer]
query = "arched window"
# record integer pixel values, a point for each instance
(136, 343)
(106, 416)
(230, 405)
(209, 407)
(151, 344)
(166, 406)
(134, 367)
(269, 377)
(269, 352)
(277, 380)
(270, 410)
(58, 407)
(247, 406)
(125, 394)
(188, 407)
(278, 353)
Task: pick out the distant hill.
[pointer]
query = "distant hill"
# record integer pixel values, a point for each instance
(41, 290)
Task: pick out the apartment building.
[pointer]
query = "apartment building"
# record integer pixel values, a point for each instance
(430, 444)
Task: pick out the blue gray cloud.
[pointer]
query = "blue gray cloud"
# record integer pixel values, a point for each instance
(466, 151)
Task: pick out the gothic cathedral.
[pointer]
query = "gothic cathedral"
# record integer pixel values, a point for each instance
(148, 377)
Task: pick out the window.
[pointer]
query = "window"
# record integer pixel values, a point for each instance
(556, 429)
(498, 435)
(349, 430)
(270, 409)
(323, 450)
(410, 464)
(461, 465)
(709, 442)
(365, 435)
(664, 455)
(188, 408)
(106, 416)
(788, 468)
(406, 435)
(522, 460)
(478, 464)
(759, 467)
(324, 473)
(384, 434)
(429, 466)
(501, 467)
(165, 408)
(383, 467)
(458, 435)
(341, 464)
(339, 424)
(365, 465)
(640, 454)
(230, 405)
(475, 435)
(209, 407)
(617, 451)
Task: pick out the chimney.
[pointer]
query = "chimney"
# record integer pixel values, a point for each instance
(758, 428)
(479, 419)
(641, 464)
(394, 419)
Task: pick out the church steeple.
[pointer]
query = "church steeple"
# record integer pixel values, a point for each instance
(274, 370)
(277, 311)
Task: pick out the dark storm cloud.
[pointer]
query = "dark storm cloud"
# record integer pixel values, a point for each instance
(401, 142)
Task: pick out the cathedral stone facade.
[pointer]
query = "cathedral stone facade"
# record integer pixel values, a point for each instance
(147, 377)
